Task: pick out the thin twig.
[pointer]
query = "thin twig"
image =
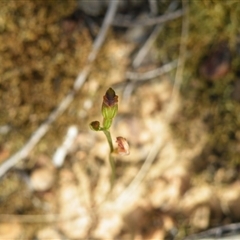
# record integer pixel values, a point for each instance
(62, 151)
(81, 78)
(134, 76)
(182, 52)
(218, 232)
(141, 55)
(159, 141)
(146, 46)
(153, 7)
(46, 218)
(174, 103)
(151, 39)
(120, 22)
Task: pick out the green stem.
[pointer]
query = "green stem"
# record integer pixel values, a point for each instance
(112, 163)
(111, 159)
(109, 139)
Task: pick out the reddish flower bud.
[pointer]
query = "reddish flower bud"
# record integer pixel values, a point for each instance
(95, 125)
(123, 147)
(110, 99)
(109, 105)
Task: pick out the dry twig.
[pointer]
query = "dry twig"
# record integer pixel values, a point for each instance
(153, 7)
(222, 232)
(121, 22)
(151, 39)
(63, 105)
(182, 51)
(141, 55)
(159, 141)
(180, 64)
(44, 218)
(153, 73)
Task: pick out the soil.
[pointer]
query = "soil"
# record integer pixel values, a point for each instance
(182, 174)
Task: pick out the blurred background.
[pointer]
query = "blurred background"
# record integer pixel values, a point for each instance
(175, 67)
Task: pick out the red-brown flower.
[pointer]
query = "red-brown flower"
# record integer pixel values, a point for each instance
(110, 99)
(109, 107)
(123, 147)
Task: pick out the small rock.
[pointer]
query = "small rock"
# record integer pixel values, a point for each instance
(42, 179)
(11, 231)
(48, 233)
(109, 226)
(196, 196)
(230, 198)
(169, 188)
(72, 207)
(201, 217)
(225, 175)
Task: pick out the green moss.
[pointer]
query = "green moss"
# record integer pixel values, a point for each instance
(39, 67)
(211, 22)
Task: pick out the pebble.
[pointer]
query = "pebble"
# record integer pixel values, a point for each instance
(42, 179)
(48, 233)
(11, 231)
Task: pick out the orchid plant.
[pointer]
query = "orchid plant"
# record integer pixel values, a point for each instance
(109, 111)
